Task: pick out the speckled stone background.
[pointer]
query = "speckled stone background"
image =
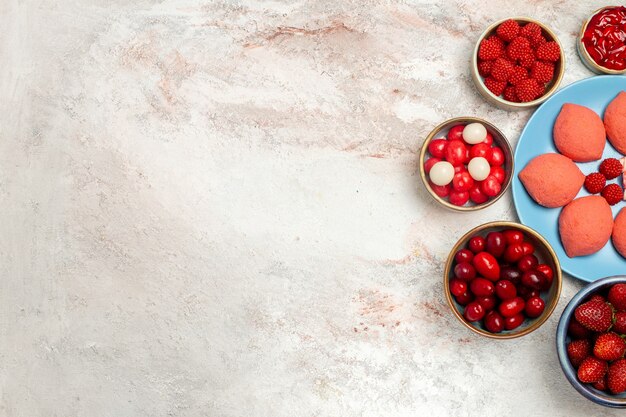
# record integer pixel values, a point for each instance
(212, 209)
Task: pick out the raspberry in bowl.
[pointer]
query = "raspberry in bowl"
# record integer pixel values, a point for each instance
(517, 63)
(466, 164)
(590, 341)
(502, 280)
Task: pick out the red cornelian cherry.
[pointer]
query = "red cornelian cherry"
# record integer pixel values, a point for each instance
(513, 236)
(488, 302)
(527, 293)
(511, 307)
(487, 265)
(465, 271)
(534, 307)
(495, 244)
(474, 311)
(464, 255)
(527, 262)
(476, 244)
(513, 322)
(546, 270)
(505, 289)
(513, 252)
(511, 273)
(481, 287)
(534, 279)
(457, 287)
(494, 322)
(464, 299)
(528, 248)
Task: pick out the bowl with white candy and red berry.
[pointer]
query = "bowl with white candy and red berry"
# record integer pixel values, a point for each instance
(466, 163)
(590, 341)
(517, 63)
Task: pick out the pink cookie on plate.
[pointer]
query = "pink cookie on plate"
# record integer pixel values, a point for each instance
(619, 233)
(552, 180)
(585, 225)
(579, 133)
(615, 122)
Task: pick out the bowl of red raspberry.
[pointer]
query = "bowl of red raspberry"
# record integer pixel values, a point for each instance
(502, 280)
(466, 163)
(517, 63)
(590, 341)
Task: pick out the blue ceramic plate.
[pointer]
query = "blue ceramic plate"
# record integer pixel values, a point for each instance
(536, 139)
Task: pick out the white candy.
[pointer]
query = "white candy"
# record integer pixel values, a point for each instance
(441, 173)
(478, 168)
(474, 133)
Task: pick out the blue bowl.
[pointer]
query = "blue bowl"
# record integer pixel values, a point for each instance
(589, 392)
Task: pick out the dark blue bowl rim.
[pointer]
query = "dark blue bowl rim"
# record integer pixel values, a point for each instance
(561, 334)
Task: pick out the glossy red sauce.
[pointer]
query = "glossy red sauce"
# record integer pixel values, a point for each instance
(605, 38)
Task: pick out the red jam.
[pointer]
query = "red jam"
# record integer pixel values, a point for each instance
(605, 38)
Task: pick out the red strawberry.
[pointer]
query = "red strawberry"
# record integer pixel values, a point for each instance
(509, 94)
(609, 347)
(611, 168)
(601, 384)
(577, 330)
(613, 194)
(594, 315)
(484, 67)
(548, 51)
(518, 74)
(597, 297)
(491, 48)
(531, 31)
(617, 296)
(501, 69)
(592, 370)
(508, 30)
(527, 60)
(595, 182)
(578, 351)
(518, 47)
(527, 90)
(616, 376)
(620, 322)
(542, 71)
(495, 86)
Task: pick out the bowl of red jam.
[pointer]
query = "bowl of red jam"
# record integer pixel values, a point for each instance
(602, 41)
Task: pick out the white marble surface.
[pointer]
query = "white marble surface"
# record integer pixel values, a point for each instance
(212, 209)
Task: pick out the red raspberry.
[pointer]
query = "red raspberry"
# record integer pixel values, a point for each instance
(538, 41)
(595, 182)
(542, 71)
(613, 194)
(531, 31)
(508, 30)
(518, 47)
(549, 51)
(509, 94)
(527, 90)
(501, 69)
(495, 86)
(484, 67)
(527, 60)
(611, 168)
(518, 74)
(491, 48)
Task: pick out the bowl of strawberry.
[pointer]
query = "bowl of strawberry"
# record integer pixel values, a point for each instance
(590, 341)
(466, 164)
(502, 280)
(517, 63)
